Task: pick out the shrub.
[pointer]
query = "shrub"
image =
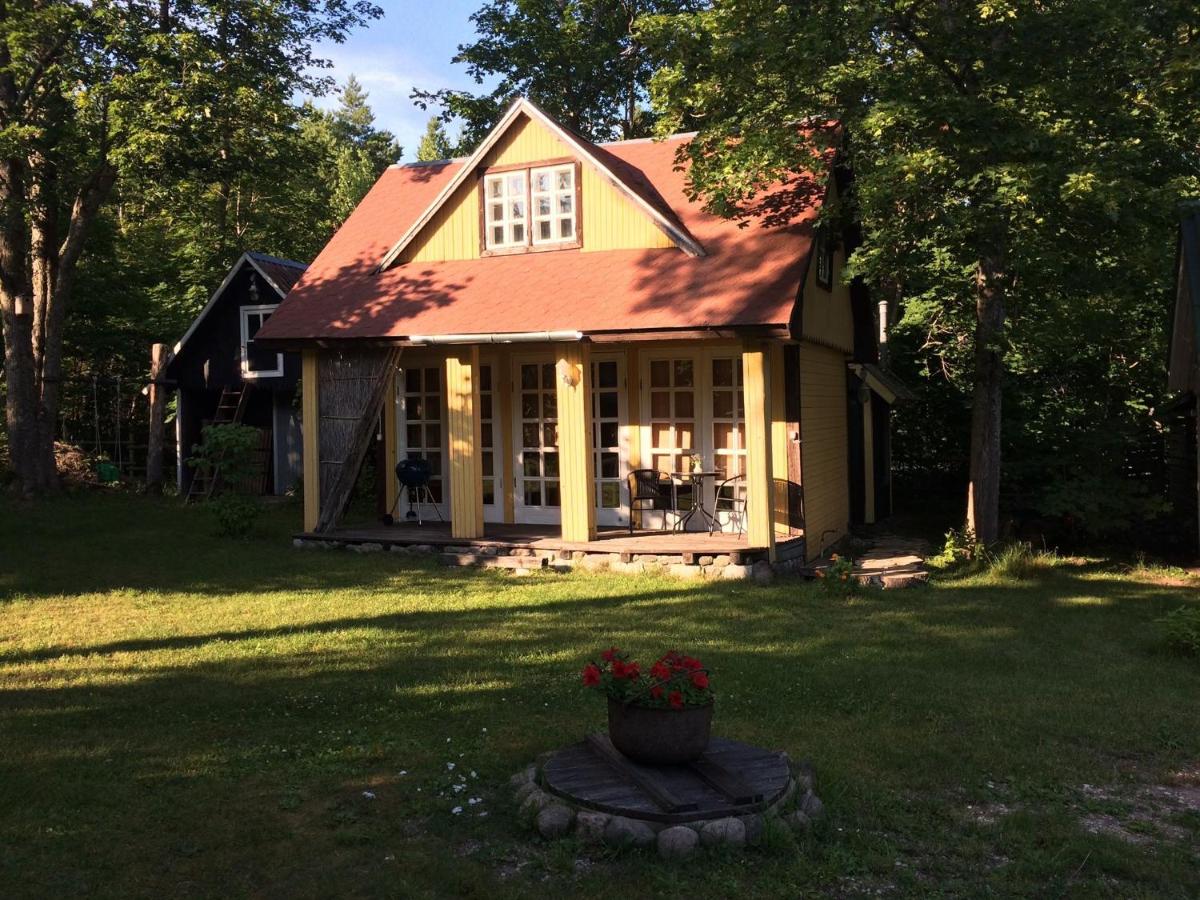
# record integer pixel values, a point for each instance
(227, 453)
(1181, 629)
(961, 546)
(235, 514)
(838, 578)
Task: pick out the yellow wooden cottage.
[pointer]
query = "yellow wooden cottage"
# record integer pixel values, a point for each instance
(586, 363)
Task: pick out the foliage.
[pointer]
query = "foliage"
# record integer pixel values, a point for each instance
(675, 681)
(1018, 561)
(234, 514)
(435, 145)
(579, 60)
(838, 577)
(960, 547)
(1181, 630)
(993, 146)
(227, 452)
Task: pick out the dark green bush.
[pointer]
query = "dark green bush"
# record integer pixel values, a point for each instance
(1181, 630)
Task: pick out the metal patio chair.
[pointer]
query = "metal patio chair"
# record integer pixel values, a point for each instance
(730, 497)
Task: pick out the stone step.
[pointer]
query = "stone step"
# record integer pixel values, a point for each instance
(493, 562)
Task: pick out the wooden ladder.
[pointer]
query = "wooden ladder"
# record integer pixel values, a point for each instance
(231, 407)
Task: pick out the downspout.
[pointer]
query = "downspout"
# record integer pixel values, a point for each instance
(515, 337)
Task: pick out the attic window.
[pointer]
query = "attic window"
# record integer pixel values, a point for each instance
(258, 363)
(823, 251)
(534, 208)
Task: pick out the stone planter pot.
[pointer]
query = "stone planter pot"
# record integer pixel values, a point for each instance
(659, 737)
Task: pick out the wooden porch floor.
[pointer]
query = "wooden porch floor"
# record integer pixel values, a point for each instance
(546, 537)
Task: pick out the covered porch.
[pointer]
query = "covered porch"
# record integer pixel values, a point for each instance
(531, 443)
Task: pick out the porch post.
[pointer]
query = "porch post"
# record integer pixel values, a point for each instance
(577, 484)
(868, 438)
(756, 380)
(466, 469)
(391, 487)
(310, 434)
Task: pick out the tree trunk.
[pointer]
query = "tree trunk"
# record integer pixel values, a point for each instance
(158, 402)
(983, 492)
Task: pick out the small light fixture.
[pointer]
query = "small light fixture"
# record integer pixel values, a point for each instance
(569, 373)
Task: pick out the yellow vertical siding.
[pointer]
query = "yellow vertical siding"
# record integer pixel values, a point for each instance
(466, 470)
(779, 442)
(576, 466)
(310, 424)
(610, 220)
(827, 317)
(756, 382)
(824, 453)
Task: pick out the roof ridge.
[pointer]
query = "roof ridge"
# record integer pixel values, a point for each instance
(647, 140)
(279, 260)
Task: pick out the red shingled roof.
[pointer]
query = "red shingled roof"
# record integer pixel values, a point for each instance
(751, 274)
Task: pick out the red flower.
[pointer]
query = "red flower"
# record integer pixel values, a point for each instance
(675, 698)
(633, 670)
(618, 668)
(690, 662)
(656, 692)
(700, 680)
(591, 675)
(660, 671)
(610, 654)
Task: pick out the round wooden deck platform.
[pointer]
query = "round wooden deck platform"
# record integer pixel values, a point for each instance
(730, 779)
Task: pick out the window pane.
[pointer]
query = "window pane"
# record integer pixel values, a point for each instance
(550, 435)
(610, 465)
(541, 181)
(552, 493)
(685, 404)
(542, 206)
(608, 434)
(496, 211)
(533, 493)
(529, 406)
(414, 435)
(531, 465)
(485, 406)
(607, 374)
(566, 179)
(610, 495)
(435, 461)
(551, 465)
(723, 404)
(435, 489)
(544, 232)
(498, 235)
(529, 377)
(660, 404)
(683, 373)
(725, 436)
(722, 372)
(566, 203)
(517, 209)
(432, 380)
(548, 375)
(660, 434)
(660, 373)
(529, 435)
(566, 228)
(518, 234)
(550, 405)
(489, 492)
(433, 436)
(433, 409)
(415, 407)
(608, 404)
(489, 464)
(485, 434)
(495, 187)
(485, 378)
(664, 463)
(412, 380)
(683, 435)
(516, 183)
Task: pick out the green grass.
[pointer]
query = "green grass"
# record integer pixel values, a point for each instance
(185, 716)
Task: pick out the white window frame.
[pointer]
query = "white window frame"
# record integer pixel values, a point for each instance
(505, 200)
(555, 195)
(264, 309)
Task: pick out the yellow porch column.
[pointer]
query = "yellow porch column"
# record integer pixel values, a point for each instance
(576, 466)
(868, 428)
(310, 427)
(391, 487)
(466, 469)
(756, 381)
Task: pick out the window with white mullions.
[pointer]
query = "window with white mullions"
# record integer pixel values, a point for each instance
(728, 415)
(487, 435)
(552, 189)
(506, 214)
(258, 363)
(422, 422)
(606, 434)
(539, 436)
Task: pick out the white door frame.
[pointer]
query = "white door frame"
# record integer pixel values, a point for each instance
(424, 362)
(618, 515)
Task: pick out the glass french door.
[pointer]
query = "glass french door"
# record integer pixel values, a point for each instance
(535, 411)
(610, 440)
(420, 418)
(421, 434)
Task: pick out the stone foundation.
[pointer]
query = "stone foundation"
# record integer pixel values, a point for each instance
(552, 817)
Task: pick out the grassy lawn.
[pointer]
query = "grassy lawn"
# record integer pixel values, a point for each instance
(184, 716)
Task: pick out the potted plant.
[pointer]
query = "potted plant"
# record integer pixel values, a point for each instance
(663, 717)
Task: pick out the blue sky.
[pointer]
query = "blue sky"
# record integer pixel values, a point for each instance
(410, 46)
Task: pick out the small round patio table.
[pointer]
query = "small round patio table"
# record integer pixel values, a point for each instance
(697, 480)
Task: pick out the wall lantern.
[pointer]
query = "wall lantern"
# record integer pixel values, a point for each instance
(569, 373)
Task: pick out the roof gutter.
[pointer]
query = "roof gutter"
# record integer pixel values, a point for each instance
(515, 337)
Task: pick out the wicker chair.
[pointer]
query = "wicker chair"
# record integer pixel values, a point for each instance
(730, 497)
(650, 489)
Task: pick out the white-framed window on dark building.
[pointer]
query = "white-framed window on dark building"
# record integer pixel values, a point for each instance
(256, 362)
(823, 253)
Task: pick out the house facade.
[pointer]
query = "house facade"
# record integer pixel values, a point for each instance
(222, 374)
(550, 315)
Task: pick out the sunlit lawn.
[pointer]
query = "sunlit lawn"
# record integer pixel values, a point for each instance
(185, 716)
